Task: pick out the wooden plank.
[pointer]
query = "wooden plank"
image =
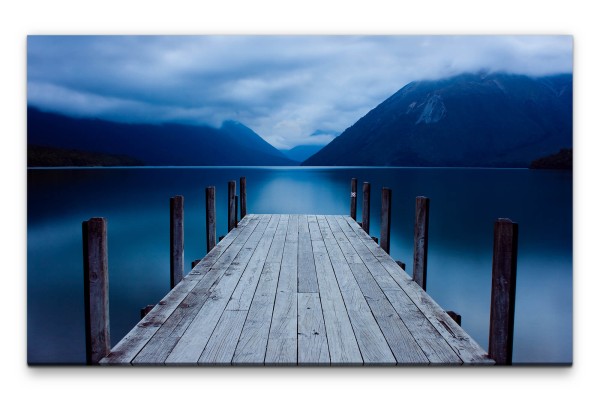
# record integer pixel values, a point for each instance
(464, 346)
(343, 347)
(312, 337)
(176, 239)
(371, 341)
(504, 283)
(127, 349)
(244, 292)
(313, 228)
(252, 345)
(282, 347)
(402, 334)
(359, 253)
(383, 295)
(241, 304)
(307, 275)
(95, 289)
(191, 344)
(431, 341)
(201, 268)
(421, 241)
(172, 327)
(222, 342)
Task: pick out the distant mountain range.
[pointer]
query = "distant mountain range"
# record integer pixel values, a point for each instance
(233, 144)
(302, 152)
(470, 120)
(44, 156)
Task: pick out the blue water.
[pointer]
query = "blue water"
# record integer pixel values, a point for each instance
(464, 206)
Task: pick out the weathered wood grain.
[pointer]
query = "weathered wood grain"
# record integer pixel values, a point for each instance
(95, 289)
(360, 253)
(230, 206)
(397, 328)
(235, 214)
(425, 334)
(221, 345)
(252, 345)
(244, 291)
(366, 208)
(386, 218)
(504, 282)
(243, 200)
(127, 349)
(312, 337)
(191, 344)
(307, 275)
(462, 344)
(176, 239)
(282, 347)
(421, 241)
(211, 219)
(353, 197)
(172, 328)
(343, 347)
(371, 341)
(243, 304)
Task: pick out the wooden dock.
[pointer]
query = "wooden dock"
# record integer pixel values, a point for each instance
(297, 290)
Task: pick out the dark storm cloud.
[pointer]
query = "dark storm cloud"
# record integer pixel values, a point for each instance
(283, 87)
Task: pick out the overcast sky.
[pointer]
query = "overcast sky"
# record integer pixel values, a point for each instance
(283, 87)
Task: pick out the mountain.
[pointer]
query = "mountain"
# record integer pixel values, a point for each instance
(470, 120)
(42, 156)
(302, 152)
(233, 144)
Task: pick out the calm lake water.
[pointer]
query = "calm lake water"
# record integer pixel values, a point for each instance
(464, 206)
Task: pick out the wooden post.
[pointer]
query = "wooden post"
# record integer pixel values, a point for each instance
(386, 218)
(231, 206)
(455, 316)
(236, 210)
(95, 289)
(353, 196)
(211, 219)
(145, 310)
(420, 246)
(504, 280)
(243, 199)
(366, 210)
(176, 240)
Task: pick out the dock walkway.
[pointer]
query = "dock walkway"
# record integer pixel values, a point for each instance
(297, 290)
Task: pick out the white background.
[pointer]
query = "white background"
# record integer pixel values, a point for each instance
(19, 19)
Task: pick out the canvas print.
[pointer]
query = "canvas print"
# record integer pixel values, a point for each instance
(300, 200)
